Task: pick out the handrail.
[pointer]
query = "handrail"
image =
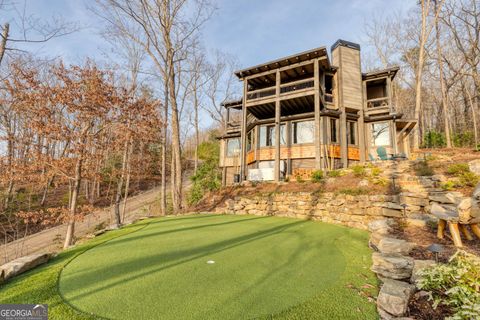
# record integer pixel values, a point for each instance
(378, 102)
(297, 85)
(261, 93)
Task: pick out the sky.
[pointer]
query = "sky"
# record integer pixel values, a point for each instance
(254, 31)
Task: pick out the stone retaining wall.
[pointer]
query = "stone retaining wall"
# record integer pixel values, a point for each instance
(349, 210)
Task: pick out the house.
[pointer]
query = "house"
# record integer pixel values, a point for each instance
(306, 112)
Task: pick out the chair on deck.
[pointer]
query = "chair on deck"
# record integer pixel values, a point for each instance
(382, 154)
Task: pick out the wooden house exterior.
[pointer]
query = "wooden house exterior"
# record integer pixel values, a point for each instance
(304, 112)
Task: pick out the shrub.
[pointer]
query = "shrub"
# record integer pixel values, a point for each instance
(359, 171)
(449, 185)
(455, 285)
(423, 169)
(434, 139)
(469, 179)
(299, 179)
(376, 171)
(381, 181)
(208, 176)
(334, 173)
(458, 169)
(317, 176)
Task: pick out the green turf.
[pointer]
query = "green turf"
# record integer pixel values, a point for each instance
(265, 267)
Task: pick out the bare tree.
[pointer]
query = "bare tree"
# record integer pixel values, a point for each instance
(165, 29)
(426, 29)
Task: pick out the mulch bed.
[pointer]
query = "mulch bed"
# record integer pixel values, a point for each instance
(420, 307)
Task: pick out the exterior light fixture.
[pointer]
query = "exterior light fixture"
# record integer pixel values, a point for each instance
(436, 249)
(404, 206)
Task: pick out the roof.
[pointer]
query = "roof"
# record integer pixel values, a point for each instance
(345, 43)
(381, 73)
(283, 62)
(236, 104)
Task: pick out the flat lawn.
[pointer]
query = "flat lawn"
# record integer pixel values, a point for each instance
(264, 267)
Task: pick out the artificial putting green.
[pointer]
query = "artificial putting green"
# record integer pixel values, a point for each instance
(263, 267)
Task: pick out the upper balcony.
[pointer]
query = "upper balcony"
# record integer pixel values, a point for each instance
(294, 83)
(378, 89)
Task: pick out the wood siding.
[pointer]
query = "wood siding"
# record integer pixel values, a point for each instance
(350, 77)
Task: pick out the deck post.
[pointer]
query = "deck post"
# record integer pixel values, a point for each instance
(243, 140)
(277, 126)
(316, 84)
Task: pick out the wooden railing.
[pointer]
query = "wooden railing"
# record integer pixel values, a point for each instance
(261, 93)
(296, 85)
(377, 102)
(328, 97)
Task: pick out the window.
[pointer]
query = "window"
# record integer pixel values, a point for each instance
(352, 132)
(303, 132)
(381, 134)
(267, 135)
(233, 147)
(333, 131)
(250, 140)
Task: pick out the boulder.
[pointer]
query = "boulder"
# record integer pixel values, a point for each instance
(474, 166)
(420, 265)
(448, 197)
(392, 266)
(442, 213)
(363, 183)
(394, 296)
(392, 245)
(476, 192)
(464, 210)
(20, 265)
(382, 226)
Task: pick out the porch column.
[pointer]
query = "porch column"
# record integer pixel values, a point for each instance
(361, 125)
(316, 85)
(343, 137)
(243, 140)
(277, 126)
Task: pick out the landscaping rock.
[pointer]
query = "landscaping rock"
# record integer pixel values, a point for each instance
(20, 265)
(392, 266)
(442, 213)
(464, 209)
(448, 197)
(420, 265)
(394, 296)
(476, 192)
(474, 166)
(392, 245)
(382, 226)
(363, 183)
(375, 240)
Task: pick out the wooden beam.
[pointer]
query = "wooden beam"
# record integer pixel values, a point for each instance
(455, 233)
(277, 127)
(316, 85)
(243, 135)
(294, 65)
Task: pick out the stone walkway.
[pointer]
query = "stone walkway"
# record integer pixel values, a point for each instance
(51, 240)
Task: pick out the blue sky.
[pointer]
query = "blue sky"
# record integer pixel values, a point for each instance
(254, 31)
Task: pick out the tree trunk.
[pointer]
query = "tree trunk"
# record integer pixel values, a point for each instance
(176, 152)
(163, 188)
(118, 196)
(3, 42)
(127, 182)
(73, 205)
(442, 84)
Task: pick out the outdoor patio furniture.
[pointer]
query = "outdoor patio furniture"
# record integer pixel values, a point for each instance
(382, 154)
